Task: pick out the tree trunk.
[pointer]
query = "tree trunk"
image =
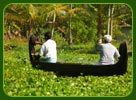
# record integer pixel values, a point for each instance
(70, 28)
(99, 23)
(112, 10)
(53, 24)
(110, 20)
(9, 33)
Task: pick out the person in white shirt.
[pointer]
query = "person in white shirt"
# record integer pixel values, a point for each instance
(107, 51)
(48, 51)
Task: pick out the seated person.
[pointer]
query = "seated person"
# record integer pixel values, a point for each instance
(107, 51)
(48, 51)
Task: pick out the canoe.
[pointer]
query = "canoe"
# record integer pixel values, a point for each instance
(70, 69)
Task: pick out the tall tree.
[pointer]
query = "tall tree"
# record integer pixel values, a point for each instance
(54, 11)
(13, 19)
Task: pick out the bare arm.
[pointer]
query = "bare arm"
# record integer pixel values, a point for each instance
(38, 42)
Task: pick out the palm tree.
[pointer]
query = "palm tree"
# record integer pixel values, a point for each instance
(74, 10)
(24, 16)
(54, 11)
(13, 18)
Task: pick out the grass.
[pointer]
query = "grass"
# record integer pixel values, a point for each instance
(21, 79)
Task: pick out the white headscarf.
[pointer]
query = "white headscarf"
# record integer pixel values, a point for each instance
(108, 38)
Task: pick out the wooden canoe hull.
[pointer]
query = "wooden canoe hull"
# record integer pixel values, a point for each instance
(78, 69)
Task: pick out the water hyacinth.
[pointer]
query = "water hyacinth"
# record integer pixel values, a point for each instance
(21, 79)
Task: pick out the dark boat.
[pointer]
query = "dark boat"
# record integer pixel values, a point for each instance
(119, 68)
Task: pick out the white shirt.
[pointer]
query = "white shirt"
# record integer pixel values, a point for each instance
(107, 53)
(48, 49)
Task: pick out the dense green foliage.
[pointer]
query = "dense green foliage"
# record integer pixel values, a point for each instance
(81, 27)
(21, 79)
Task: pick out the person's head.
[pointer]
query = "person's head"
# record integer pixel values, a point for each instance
(107, 38)
(47, 35)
